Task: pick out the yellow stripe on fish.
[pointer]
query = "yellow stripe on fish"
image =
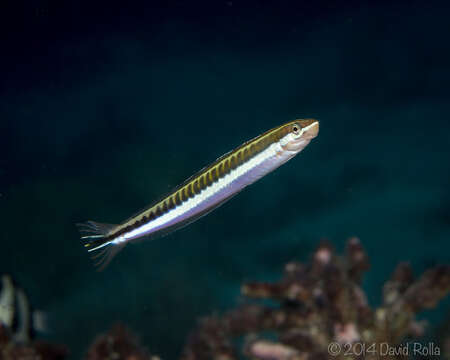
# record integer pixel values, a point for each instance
(204, 191)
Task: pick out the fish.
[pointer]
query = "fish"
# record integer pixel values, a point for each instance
(203, 192)
(16, 314)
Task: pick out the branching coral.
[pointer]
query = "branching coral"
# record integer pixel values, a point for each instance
(316, 311)
(322, 312)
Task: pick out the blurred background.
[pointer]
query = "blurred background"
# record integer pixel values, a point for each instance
(104, 107)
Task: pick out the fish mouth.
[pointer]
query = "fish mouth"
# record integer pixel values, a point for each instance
(310, 128)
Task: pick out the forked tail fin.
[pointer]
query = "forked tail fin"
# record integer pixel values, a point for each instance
(95, 237)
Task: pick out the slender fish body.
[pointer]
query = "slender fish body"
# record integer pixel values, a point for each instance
(204, 191)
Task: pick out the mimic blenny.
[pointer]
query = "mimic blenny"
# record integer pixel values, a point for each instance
(204, 191)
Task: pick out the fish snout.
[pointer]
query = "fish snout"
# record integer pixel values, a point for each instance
(310, 128)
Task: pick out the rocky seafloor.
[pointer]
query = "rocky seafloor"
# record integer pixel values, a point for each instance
(317, 310)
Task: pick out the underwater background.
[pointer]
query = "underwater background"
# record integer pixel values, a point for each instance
(105, 107)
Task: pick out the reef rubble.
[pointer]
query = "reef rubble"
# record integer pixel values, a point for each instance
(118, 343)
(32, 350)
(319, 311)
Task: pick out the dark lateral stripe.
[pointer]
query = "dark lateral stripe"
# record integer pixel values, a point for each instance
(208, 176)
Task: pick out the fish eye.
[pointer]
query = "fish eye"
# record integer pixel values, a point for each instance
(296, 129)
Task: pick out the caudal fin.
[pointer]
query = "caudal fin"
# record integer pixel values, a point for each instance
(95, 237)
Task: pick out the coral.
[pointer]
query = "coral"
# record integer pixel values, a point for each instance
(321, 312)
(118, 343)
(10, 350)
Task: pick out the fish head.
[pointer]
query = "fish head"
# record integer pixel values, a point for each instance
(300, 133)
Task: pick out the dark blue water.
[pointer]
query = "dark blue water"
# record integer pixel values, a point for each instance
(103, 108)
